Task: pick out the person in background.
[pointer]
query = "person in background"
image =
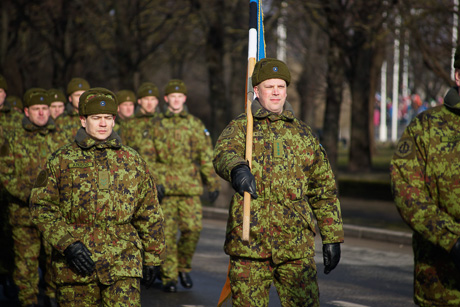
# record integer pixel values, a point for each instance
(58, 100)
(291, 184)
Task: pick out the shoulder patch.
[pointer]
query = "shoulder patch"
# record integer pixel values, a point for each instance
(405, 148)
(228, 132)
(42, 179)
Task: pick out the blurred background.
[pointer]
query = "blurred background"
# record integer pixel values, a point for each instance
(361, 69)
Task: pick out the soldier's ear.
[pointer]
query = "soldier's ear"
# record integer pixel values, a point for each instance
(83, 121)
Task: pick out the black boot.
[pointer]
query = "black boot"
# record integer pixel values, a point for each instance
(185, 280)
(170, 287)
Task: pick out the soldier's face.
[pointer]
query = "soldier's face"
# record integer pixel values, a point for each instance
(272, 94)
(98, 126)
(38, 114)
(175, 102)
(126, 109)
(2, 97)
(74, 98)
(56, 109)
(148, 104)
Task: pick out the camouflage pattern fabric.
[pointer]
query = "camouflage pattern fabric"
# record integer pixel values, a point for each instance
(122, 293)
(69, 123)
(184, 155)
(294, 183)
(101, 194)
(183, 214)
(295, 282)
(22, 156)
(426, 190)
(9, 119)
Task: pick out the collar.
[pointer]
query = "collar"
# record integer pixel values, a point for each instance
(31, 127)
(86, 142)
(259, 112)
(170, 114)
(452, 100)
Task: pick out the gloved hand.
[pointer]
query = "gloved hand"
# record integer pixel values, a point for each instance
(243, 180)
(149, 274)
(331, 256)
(79, 257)
(160, 192)
(213, 196)
(455, 254)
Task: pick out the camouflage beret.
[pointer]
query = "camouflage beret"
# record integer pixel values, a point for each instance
(14, 101)
(126, 95)
(147, 89)
(3, 83)
(56, 95)
(457, 58)
(34, 96)
(175, 86)
(98, 100)
(270, 69)
(77, 84)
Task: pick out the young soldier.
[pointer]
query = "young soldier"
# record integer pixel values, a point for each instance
(23, 156)
(58, 101)
(291, 183)
(183, 164)
(96, 204)
(126, 101)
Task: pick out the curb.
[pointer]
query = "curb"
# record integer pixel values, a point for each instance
(354, 231)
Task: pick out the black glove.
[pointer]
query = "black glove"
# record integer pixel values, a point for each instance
(160, 192)
(455, 254)
(79, 257)
(213, 196)
(331, 256)
(149, 274)
(243, 180)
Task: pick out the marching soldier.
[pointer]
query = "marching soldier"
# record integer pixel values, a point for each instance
(96, 204)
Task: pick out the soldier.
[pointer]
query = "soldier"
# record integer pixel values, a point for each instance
(136, 132)
(58, 101)
(126, 100)
(8, 119)
(70, 123)
(23, 155)
(96, 204)
(183, 163)
(291, 183)
(15, 103)
(426, 190)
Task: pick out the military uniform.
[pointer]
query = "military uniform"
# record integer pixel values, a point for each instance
(424, 178)
(101, 194)
(23, 155)
(295, 185)
(69, 122)
(183, 165)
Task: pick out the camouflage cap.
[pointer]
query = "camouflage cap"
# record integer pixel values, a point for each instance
(98, 100)
(125, 95)
(14, 101)
(270, 69)
(175, 86)
(3, 83)
(147, 89)
(34, 96)
(457, 58)
(77, 84)
(57, 95)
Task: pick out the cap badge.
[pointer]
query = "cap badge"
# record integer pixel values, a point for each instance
(275, 68)
(102, 103)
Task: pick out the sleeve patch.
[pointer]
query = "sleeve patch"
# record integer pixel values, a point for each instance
(228, 132)
(405, 148)
(42, 179)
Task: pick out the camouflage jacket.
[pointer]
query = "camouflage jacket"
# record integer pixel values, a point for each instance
(101, 194)
(184, 154)
(294, 183)
(24, 154)
(69, 123)
(426, 189)
(9, 119)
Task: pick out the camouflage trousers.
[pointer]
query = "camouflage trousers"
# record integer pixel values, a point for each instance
(27, 245)
(181, 213)
(124, 292)
(295, 282)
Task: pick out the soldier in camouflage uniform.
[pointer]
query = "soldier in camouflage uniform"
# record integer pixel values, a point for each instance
(15, 103)
(126, 102)
(23, 156)
(9, 119)
(96, 204)
(70, 122)
(183, 164)
(57, 106)
(426, 189)
(291, 183)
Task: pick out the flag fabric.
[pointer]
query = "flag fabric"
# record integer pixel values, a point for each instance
(260, 32)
